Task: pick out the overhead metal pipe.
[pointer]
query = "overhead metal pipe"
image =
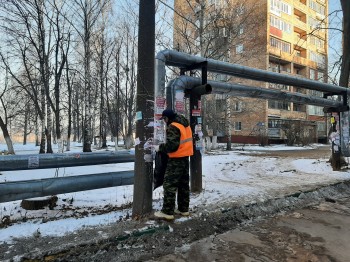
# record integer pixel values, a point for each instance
(187, 82)
(19, 190)
(42, 161)
(182, 60)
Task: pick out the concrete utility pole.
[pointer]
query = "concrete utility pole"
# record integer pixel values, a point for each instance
(142, 202)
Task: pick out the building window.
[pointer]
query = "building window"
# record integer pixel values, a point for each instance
(240, 30)
(286, 8)
(274, 123)
(316, 110)
(321, 127)
(239, 49)
(320, 76)
(281, 105)
(280, 24)
(238, 126)
(315, 24)
(237, 106)
(223, 32)
(318, 58)
(278, 6)
(298, 107)
(317, 7)
(279, 86)
(220, 105)
(282, 45)
(319, 43)
(274, 7)
(312, 74)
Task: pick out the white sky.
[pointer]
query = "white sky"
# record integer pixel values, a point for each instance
(227, 177)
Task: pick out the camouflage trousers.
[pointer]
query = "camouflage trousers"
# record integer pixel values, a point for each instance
(176, 179)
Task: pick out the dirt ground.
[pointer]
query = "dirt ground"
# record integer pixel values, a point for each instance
(279, 229)
(317, 233)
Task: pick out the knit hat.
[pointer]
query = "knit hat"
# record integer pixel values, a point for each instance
(169, 114)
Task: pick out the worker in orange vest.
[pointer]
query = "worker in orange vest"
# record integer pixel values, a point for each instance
(178, 146)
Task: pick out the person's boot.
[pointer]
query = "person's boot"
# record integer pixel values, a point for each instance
(160, 214)
(185, 214)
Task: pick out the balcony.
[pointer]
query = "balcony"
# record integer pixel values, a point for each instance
(279, 53)
(300, 42)
(299, 24)
(300, 60)
(299, 5)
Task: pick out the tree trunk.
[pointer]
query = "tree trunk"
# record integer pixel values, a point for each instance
(215, 142)
(69, 128)
(68, 143)
(25, 131)
(228, 123)
(87, 85)
(37, 143)
(128, 141)
(7, 137)
(116, 143)
(49, 131)
(43, 139)
(76, 125)
(208, 145)
(43, 126)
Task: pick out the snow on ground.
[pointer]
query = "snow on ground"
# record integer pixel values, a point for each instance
(230, 176)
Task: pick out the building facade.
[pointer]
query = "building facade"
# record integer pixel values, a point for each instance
(284, 36)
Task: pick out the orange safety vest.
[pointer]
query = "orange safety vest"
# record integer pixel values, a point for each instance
(186, 142)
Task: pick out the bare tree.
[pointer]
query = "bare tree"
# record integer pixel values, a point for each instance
(5, 117)
(87, 14)
(37, 30)
(113, 92)
(129, 92)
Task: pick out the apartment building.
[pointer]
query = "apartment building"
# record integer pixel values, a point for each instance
(284, 36)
